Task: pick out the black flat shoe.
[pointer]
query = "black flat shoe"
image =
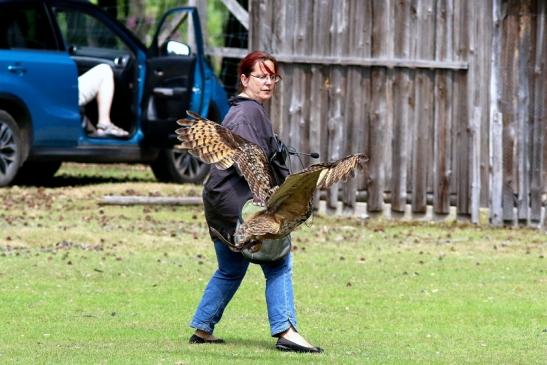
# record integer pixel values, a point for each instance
(197, 339)
(286, 345)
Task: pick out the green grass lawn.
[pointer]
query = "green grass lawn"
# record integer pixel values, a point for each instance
(82, 283)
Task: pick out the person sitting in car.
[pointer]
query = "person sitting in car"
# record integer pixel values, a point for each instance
(98, 82)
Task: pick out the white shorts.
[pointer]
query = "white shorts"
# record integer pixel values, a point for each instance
(90, 82)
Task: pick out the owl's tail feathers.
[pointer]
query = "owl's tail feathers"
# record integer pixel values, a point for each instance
(228, 241)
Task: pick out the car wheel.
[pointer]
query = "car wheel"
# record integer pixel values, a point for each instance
(175, 165)
(11, 148)
(34, 172)
(179, 166)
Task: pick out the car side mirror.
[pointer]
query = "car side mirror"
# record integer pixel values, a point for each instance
(174, 48)
(72, 49)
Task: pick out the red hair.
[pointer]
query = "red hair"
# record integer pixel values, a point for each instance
(247, 64)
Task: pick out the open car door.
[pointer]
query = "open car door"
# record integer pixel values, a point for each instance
(174, 76)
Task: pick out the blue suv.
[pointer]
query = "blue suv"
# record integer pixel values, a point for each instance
(45, 45)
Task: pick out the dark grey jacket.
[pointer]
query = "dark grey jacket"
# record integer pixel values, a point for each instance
(225, 191)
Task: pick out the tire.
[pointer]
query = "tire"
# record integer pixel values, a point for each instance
(174, 165)
(11, 148)
(33, 172)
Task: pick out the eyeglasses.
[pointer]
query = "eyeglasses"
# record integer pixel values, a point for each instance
(263, 78)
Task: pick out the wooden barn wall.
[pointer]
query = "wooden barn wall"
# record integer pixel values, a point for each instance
(447, 98)
(520, 106)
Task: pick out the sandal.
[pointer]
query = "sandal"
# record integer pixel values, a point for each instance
(111, 130)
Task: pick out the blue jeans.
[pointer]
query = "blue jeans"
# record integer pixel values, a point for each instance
(226, 280)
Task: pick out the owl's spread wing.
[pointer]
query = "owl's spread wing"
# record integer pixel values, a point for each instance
(215, 144)
(293, 198)
(340, 170)
(286, 209)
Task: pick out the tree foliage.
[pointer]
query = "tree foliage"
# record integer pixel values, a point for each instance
(141, 17)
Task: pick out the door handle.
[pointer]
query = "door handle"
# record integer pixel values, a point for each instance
(17, 69)
(169, 91)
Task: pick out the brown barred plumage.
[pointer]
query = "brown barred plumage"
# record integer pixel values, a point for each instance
(214, 144)
(286, 206)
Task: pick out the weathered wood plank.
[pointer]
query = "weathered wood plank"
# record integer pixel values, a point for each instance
(539, 118)
(226, 52)
(484, 46)
(388, 18)
(461, 111)
(282, 29)
(255, 27)
(474, 112)
(541, 95)
(388, 62)
(150, 200)
(238, 12)
(377, 140)
(475, 183)
(293, 97)
(422, 156)
(360, 36)
(337, 121)
(315, 130)
(361, 47)
(509, 109)
(321, 39)
(496, 163)
(352, 133)
(303, 27)
(496, 126)
(523, 108)
(442, 144)
(443, 108)
(261, 15)
(353, 109)
(402, 86)
(378, 114)
(295, 120)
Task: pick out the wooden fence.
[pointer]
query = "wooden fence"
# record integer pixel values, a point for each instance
(447, 97)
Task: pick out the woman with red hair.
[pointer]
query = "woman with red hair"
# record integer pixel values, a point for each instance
(224, 194)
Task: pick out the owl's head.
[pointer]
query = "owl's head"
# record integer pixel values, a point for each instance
(249, 210)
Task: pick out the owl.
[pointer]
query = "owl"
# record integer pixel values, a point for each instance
(283, 207)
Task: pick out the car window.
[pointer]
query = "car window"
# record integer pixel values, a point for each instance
(84, 34)
(25, 26)
(177, 26)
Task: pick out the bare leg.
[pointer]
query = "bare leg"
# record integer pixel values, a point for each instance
(98, 83)
(105, 95)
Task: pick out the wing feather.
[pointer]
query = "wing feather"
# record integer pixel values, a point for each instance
(341, 170)
(262, 225)
(215, 144)
(299, 186)
(293, 198)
